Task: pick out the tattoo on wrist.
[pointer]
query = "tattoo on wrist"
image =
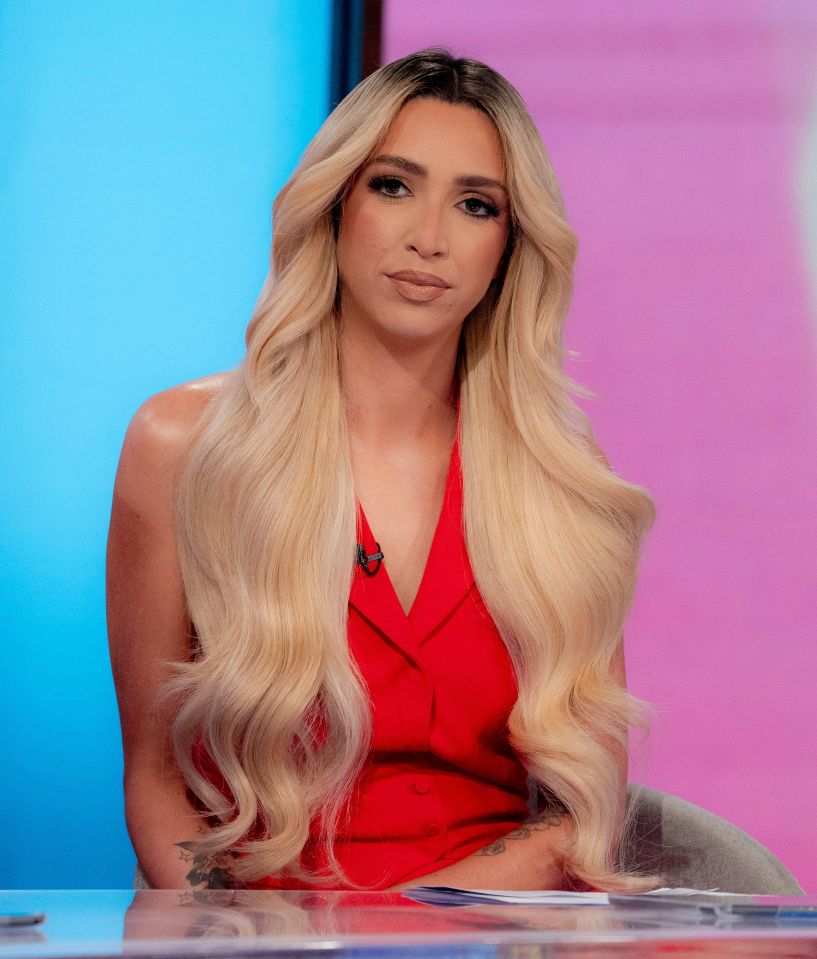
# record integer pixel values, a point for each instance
(541, 822)
(208, 872)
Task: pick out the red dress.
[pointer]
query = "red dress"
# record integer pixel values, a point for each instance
(441, 779)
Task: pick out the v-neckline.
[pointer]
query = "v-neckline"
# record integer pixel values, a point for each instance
(369, 540)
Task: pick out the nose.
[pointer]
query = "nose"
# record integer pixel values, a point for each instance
(427, 234)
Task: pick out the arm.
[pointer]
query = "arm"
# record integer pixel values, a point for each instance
(148, 628)
(528, 857)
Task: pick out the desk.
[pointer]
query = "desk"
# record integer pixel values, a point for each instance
(305, 925)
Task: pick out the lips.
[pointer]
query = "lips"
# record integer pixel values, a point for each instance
(419, 279)
(418, 287)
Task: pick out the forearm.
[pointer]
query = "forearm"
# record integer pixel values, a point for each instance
(162, 824)
(529, 857)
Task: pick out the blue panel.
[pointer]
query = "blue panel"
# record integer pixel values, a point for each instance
(141, 146)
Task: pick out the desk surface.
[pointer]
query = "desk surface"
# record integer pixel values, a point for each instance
(156, 923)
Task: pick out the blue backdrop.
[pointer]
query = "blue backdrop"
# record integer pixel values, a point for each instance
(141, 146)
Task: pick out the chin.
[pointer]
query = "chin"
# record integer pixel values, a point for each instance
(419, 329)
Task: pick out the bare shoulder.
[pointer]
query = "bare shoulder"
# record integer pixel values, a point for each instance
(158, 439)
(167, 418)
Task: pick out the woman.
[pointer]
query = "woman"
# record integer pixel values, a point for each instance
(357, 698)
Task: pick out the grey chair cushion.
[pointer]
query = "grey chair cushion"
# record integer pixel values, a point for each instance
(689, 846)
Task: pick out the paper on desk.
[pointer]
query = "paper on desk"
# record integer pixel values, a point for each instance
(454, 896)
(682, 891)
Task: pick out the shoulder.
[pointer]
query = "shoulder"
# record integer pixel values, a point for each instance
(167, 418)
(165, 422)
(158, 439)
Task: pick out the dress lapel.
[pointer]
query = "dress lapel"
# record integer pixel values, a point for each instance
(448, 576)
(446, 581)
(374, 596)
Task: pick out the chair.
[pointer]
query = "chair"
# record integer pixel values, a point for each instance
(690, 847)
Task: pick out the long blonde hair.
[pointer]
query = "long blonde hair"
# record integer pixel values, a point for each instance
(266, 515)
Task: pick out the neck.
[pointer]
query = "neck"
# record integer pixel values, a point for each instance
(398, 393)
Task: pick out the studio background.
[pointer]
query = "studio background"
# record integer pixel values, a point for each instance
(140, 151)
(141, 146)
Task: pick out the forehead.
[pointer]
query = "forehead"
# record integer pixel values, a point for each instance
(446, 137)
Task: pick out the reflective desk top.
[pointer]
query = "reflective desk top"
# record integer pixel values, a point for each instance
(157, 923)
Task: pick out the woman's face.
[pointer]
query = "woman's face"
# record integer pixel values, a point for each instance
(424, 226)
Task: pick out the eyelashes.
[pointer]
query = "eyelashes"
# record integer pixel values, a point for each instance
(491, 211)
(377, 183)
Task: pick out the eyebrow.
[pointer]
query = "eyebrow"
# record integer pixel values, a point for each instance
(468, 180)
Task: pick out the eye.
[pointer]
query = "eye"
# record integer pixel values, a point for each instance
(489, 210)
(384, 185)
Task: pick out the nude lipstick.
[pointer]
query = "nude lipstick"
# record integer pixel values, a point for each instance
(418, 287)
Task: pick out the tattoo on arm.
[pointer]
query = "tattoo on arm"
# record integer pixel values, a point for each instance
(541, 822)
(209, 872)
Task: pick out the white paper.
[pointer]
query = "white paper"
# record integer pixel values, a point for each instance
(538, 897)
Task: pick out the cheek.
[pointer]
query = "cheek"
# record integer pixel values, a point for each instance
(485, 255)
(364, 232)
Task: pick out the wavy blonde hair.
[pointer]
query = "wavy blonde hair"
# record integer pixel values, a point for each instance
(266, 515)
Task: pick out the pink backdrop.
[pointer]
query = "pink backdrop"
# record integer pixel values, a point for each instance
(684, 135)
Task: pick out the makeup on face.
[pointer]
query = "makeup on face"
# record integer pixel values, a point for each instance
(425, 225)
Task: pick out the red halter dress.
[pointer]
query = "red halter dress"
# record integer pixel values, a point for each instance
(441, 779)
